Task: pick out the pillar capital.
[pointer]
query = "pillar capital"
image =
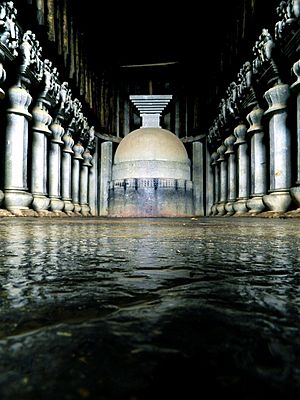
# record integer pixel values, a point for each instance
(221, 151)
(240, 133)
(57, 132)
(229, 142)
(20, 100)
(296, 69)
(214, 157)
(69, 143)
(78, 151)
(87, 158)
(41, 119)
(276, 98)
(254, 118)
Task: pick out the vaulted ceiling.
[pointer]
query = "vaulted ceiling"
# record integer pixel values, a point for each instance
(197, 46)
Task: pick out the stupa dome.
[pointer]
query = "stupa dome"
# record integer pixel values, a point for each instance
(151, 144)
(151, 153)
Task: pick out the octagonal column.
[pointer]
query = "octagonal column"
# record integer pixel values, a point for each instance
(223, 180)
(2, 95)
(66, 176)
(279, 198)
(258, 162)
(295, 190)
(40, 133)
(216, 174)
(56, 204)
(78, 150)
(231, 175)
(84, 182)
(242, 170)
(17, 199)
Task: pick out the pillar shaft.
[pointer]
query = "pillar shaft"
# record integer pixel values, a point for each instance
(197, 174)
(217, 183)
(231, 177)
(295, 191)
(223, 181)
(75, 180)
(16, 150)
(84, 182)
(66, 172)
(78, 151)
(56, 204)
(209, 184)
(298, 139)
(279, 199)
(243, 172)
(105, 176)
(242, 162)
(66, 187)
(93, 182)
(83, 192)
(39, 177)
(54, 170)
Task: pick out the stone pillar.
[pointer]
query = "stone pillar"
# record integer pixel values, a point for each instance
(78, 150)
(17, 199)
(243, 175)
(209, 184)
(223, 180)
(197, 174)
(105, 176)
(93, 182)
(66, 181)
(258, 162)
(40, 133)
(295, 191)
(216, 175)
(56, 204)
(84, 182)
(231, 175)
(2, 95)
(279, 198)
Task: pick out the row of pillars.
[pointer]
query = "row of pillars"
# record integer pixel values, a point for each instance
(63, 175)
(249, 177)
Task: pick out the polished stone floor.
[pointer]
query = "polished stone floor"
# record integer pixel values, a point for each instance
(140, 309)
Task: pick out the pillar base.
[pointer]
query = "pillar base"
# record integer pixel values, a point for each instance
(240, 207)
(77, 208)
(5, 213)
(255, 205)
(40, 202)
(278, 201)
(69, 206)
(44, 213)
(1, 197)
(229, 209)
(214, 210)
(85, 210)
(15, 200)
(56, 204)
(221, 209)
(295, 194)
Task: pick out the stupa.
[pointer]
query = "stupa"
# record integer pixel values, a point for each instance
(151, 173)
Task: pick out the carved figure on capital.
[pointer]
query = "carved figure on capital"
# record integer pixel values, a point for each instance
(214, 132)
(232, 98)
(64, 96)
(9, 31)
(91, 138)
(288, 12)
(30, 54)
(244, 79)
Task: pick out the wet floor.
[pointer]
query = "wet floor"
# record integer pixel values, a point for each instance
(140, 309)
